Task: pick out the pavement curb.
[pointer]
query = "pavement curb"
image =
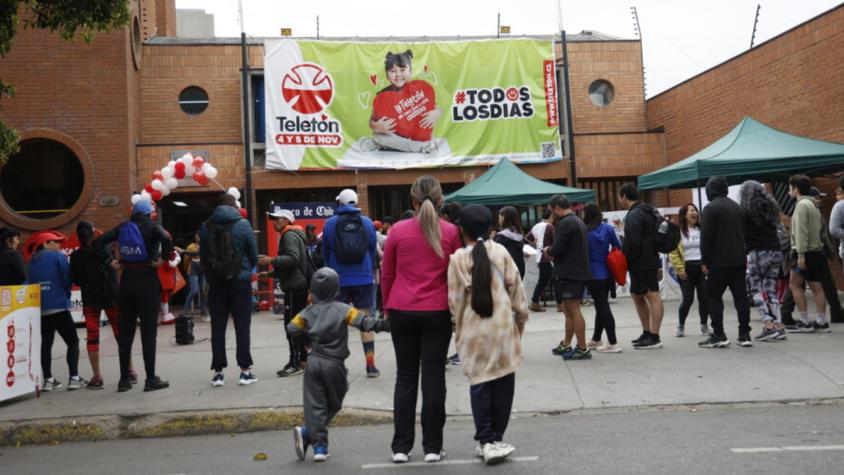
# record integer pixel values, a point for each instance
(231, 421)
(107, 427)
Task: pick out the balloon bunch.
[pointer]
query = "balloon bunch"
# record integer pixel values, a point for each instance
(167, 179)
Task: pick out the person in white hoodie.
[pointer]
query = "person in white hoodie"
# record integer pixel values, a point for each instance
(489, 309)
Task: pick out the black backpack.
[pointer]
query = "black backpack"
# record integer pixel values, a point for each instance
(666, 233)
(308, 267)
(352, 243)
(220, 259)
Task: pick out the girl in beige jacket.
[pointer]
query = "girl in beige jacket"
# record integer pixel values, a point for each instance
(489, 308)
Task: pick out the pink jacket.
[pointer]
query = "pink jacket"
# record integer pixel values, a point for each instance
(413, 277)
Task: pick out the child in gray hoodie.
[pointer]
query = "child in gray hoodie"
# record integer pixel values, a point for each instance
(324, 323)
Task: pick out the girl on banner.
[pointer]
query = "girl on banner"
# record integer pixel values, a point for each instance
(403, 113)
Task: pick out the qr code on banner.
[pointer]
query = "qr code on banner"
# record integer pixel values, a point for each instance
(548, 150)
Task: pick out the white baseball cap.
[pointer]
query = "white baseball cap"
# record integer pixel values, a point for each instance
(347, 196)
(278, 212)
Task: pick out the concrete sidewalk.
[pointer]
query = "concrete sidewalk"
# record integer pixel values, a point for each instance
(806, 367)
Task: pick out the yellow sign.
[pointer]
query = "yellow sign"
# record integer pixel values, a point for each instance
(287, 32)
(20, 340)
(504, 30)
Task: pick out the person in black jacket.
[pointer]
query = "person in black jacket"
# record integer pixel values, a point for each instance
(92, 271)
(12, 270)
(571, 267)
(643, 263)
(511, 236)
(139, 294)
(724, 262)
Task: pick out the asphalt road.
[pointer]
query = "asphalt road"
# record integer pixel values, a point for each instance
(764, 439)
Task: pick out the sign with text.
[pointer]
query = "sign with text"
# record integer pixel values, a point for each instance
(336, 105)
(20, 340)
(304, 214)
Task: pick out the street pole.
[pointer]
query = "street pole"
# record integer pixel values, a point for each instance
(569, 125)
(247, 140)
(498, 27)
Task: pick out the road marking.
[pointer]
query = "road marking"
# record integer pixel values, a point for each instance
(369, 466)
(791, 448)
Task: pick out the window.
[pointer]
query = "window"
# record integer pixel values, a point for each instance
(44, 180)
(193, 100)
(601, 93)
(137, 41)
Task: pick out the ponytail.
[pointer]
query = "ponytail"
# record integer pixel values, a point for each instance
(427, 193)
(481, 280)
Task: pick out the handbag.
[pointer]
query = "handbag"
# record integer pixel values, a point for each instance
(617, 264)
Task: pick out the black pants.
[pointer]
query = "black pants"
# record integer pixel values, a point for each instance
(546, 272)
(492, 402)
(139, 298)
(294, 302)
(232, 297)
(604, 320)
(695, 281)
(419, 337)
(60, 322)
(720, 278)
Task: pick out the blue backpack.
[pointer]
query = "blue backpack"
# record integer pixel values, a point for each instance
(352, 243)
(132, 246)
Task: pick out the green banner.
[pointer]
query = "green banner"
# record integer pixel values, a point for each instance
(404, 105)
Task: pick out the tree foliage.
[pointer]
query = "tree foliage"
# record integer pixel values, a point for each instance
(68, 18)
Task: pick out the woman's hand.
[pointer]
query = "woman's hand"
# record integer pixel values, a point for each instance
(384, 125)
(430, 118)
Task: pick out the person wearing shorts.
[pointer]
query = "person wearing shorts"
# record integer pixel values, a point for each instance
(643, 263)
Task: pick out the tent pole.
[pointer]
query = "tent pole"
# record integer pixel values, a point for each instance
(699, 199)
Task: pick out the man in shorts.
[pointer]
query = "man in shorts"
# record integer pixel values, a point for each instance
(570, 251)
(349, 246)
(643, 264)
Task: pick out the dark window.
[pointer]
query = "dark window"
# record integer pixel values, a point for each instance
(258, 122)
(43, 180)
(601, 93)
(193, 100)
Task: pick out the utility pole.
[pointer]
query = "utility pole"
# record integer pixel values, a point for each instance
(755, 23)
(317, 27)
(247, 140)
(498, 27)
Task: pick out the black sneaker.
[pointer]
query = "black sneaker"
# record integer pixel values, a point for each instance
(744, 340)
(638, 341)
(560, 349)
(288, 371)
(715, 341)
(650, 342)
(823, 328)
(123, 385)
(154, 384)
(800, 327)
(454, 359)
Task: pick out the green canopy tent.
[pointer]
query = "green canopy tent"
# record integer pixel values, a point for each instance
(752, 150)
(506, 184)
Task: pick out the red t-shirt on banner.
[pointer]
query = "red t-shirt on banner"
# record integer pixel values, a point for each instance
(406, 106)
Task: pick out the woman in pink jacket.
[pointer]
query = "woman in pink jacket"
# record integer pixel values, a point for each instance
(414, 286)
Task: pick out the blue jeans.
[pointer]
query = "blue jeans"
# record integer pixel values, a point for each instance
(195, 291)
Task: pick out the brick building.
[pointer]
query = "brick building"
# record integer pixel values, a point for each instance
(114, 105)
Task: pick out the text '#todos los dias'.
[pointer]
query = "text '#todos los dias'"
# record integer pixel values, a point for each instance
(492, 103)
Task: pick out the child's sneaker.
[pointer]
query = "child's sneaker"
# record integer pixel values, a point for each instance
(320, 453)
(96, 382)
(300, 441)
(50, 384)
(76, 382)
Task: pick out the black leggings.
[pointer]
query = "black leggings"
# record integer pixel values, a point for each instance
(695, 280)
(419, 337)
(546, 272)
(294, 302)
(60, 322)
(604, 320)
(139, 298)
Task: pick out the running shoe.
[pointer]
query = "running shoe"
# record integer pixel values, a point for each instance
(705, 330)
(435, 456)
(560, 349)
(123, 385)
(715, 341)
(50, 384)
(637, 341)
(289, 370)
(320, 453)
(76, 382)
(96, 382)
(767, 334)
(616, 348)
(592, 344)
(680, 331)
(800, 327)
(744, 340)
(454, 359)
(821, 327)
(780, 336)
(372, 372)
(400, 457)
(300, 441)
(218, 380)
(154, 384)
(247, 378)
(578, 354)
(651, 342)
(494, 453)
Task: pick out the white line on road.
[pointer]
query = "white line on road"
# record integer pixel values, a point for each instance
(369, 466)
(792, 448)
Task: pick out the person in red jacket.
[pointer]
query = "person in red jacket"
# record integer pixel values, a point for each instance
(403, 113)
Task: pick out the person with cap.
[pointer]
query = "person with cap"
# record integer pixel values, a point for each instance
(229, 252)
(723, 260)
(92, 271)
(489, 308)
(324, 324)
(49, 267)
(290, 269)
(12, 269)
(349, 246)
(807, 255)
(414, 284)
(142, 242)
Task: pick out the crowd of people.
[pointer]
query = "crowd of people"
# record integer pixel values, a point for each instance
(440, 272)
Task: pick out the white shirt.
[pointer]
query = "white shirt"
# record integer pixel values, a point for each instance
(691, 245)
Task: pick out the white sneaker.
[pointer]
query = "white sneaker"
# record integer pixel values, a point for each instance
(679, 332)
(479, 451)
(609, 348)
(705, 331)
(494, 453)
(434, 456)
(399, 457)
(507, 448)
(50, 384)
(76, 382)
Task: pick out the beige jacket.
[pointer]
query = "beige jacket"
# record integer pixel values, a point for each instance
(491, 347)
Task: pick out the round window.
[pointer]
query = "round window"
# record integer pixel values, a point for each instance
(137, 42)
(44, 180)
(193, 100)
(601, 93)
